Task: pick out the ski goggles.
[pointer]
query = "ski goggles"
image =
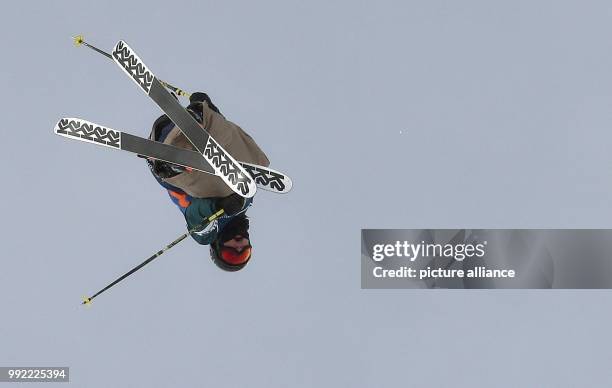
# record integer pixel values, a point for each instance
(233, 257)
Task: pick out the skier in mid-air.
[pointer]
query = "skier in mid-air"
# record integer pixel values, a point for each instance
(198, 195)
(191, 152)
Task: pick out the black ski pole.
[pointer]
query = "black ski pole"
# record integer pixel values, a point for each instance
(80, 40)
(87, 300)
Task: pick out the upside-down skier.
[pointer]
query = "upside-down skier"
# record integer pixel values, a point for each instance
(209, 165)
(198, 195)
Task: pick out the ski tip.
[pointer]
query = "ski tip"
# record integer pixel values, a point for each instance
(86, 301)
(252, 191)
(132, 65)
(288, 185)
(269, 179)
(121, 47)
(78, 40)
(282, 184)
(120, 44)
(61, 124)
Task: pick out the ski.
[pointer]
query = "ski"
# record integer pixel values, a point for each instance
(224, 165)
(86, 131)
(268, 179)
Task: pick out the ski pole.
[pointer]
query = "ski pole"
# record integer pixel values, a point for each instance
(80, 40)
(87, 300)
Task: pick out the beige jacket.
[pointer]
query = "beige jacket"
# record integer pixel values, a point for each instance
(232, 138)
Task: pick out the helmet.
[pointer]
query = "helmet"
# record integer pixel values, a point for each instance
(228, 258)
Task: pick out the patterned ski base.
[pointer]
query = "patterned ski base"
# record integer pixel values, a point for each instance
(224, 165)
(230, 170)
(83, 130)
(133, 66)
(269, 179)
(89, 132)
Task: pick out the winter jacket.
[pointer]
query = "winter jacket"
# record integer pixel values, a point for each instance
(195, 193)
(196, 210)
(232, 138)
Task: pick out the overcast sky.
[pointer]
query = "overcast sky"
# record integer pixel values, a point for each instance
(472, 114)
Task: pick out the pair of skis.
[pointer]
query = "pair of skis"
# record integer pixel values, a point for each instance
(209, 157)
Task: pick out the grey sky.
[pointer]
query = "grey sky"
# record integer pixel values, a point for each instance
(385, 114)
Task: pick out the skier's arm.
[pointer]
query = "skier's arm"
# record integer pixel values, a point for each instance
(201, 208)
(198, 210)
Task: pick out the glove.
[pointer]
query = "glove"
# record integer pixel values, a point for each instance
(199, 97)
(165, 170)
(232, 204)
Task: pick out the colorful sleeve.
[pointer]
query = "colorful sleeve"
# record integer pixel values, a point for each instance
(199, 210)
(180, 199)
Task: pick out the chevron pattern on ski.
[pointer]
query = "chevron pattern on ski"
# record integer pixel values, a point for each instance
(82, 130)
(231, 171)
(133, 66)
(268, 179)
(223, 163)
(87, 131)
